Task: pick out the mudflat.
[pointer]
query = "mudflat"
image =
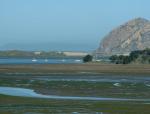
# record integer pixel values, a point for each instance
(76, 68)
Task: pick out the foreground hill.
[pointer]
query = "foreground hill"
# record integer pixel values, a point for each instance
(131, 36)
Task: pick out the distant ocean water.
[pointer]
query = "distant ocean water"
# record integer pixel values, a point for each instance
(39, 61)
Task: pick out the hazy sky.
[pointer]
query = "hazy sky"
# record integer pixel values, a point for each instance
(64, 24)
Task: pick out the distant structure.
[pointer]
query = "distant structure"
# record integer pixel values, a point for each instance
(77, 54)
(37, 52)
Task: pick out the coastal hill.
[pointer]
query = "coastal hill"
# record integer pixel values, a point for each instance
(131, 36)
(40, 54)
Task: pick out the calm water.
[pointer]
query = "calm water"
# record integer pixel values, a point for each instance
(39, 61)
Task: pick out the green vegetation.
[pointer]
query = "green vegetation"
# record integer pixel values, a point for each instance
(26, 77)
(25, 105)
(21, 105)
(47, 85)
(87, 58)
(140, 56)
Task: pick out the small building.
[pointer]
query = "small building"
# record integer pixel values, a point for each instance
(37, 52)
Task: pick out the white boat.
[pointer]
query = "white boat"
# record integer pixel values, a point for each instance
(34, 60)
(63, 60)
(46, 60)
(77, 60)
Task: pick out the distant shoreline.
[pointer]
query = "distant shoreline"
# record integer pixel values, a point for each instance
(41, 54)
(87, 68)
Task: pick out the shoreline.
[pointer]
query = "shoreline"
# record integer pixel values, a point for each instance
(80, 69)
(24, 92)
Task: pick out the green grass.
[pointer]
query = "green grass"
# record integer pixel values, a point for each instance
(26, 76)
(20, 105)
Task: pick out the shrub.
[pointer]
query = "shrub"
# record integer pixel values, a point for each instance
(140, 56)
(87, 58)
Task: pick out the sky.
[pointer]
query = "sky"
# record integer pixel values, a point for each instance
(66, 25)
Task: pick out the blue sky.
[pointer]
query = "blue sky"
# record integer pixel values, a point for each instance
(63, 24)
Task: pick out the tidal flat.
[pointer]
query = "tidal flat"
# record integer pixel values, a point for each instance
(44, 79)
(87, 68)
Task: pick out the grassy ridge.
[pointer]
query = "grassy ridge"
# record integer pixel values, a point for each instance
(30, 54)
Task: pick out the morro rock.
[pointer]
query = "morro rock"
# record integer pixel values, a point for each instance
(131, 36)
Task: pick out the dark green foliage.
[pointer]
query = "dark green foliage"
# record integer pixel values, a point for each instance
(87, 58)
(140, 56)
(120, 59)
(113, 58)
